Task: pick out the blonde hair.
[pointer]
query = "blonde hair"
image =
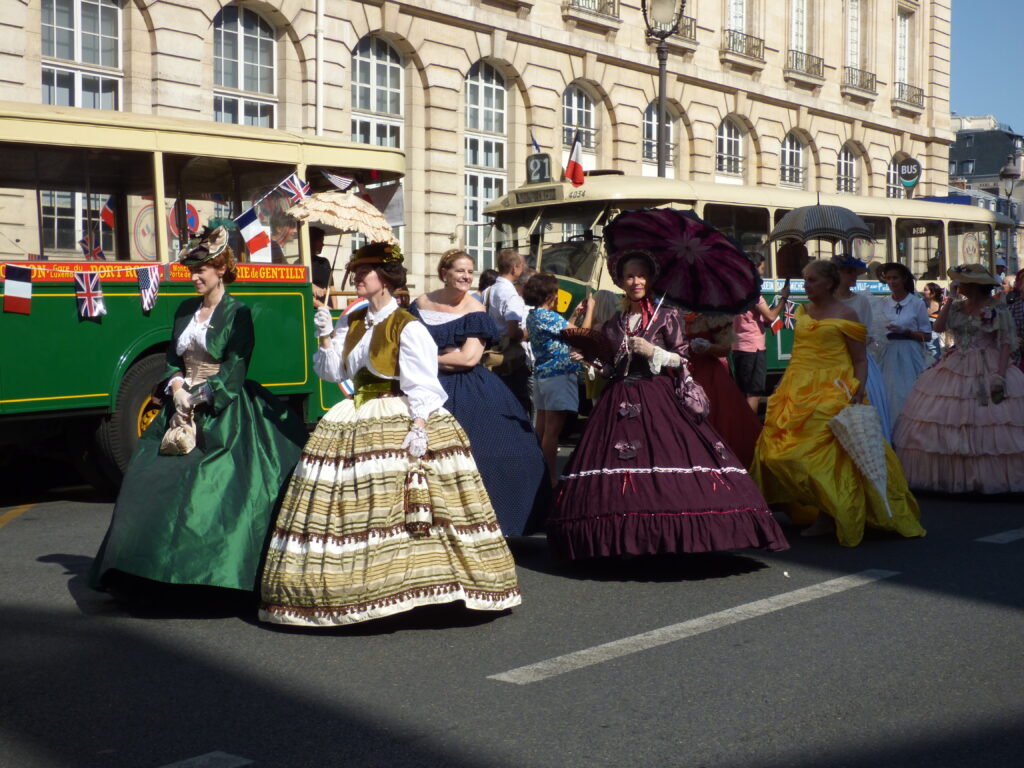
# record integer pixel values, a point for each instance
(449, 257)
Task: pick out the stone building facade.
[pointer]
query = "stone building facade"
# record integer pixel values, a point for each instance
(818, 94)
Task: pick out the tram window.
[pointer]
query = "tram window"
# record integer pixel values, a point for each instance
(748, 226)
(919, 246)
(969, 243)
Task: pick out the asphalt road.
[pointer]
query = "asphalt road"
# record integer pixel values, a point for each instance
(897, 653)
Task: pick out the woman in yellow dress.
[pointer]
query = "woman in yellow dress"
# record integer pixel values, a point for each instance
(798, 462)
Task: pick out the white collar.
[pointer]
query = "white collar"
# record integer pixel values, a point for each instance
(505, 279)
(372, 318)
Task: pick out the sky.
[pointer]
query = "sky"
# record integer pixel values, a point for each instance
(987, 76)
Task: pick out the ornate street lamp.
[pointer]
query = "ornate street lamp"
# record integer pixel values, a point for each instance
(1009, 175)
(662, 19)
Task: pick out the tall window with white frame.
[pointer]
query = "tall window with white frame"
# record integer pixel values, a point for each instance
(798, 32)
(377, 93)
(578, 115)
(486, 169)
(853, 34)
(244, 80)
(846, 171)
(893, 187)
(729, 150)
(791, 168)
(650, 145)
(738, 15)
(904, 19)
(81, 53)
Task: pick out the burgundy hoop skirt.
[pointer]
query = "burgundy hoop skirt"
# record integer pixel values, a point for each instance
(646, 479)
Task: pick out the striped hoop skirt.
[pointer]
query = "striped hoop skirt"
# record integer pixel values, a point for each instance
(366, 532)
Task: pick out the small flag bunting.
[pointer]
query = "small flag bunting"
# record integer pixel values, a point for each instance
(18, 289)
(341, 182)
(255, 234)
(149, 285)
(89, 294)
(296, 188)
(92, 248)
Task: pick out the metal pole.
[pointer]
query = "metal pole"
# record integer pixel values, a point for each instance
(662, 122)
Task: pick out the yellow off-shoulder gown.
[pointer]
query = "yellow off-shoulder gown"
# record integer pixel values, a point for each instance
(800, 464)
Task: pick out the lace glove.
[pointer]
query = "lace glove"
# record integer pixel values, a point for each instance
(323, 322)
(700, 346)
(997, 388)
(416, 441)
(201, 395)
(642, 347)
(662, 358)
(183, 402)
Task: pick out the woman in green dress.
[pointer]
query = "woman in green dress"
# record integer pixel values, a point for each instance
(200, 491)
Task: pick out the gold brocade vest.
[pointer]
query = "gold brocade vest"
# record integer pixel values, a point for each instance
(381, 377)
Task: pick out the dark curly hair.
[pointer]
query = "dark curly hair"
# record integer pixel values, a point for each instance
(540, 288)
(225, 259)
(392, 274)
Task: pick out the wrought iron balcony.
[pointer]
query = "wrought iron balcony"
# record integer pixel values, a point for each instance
(858, 78)
(909, 94)
(603, 7)
(806, 64)
(745, 45)
(687, 27)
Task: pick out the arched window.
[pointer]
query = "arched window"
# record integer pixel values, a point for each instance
(377, 93)
(791, 169)
(81, 45)
(729, 151)
(650, 149)
(893, 187)
(486, 160)
(578, 114)
(244, 52)
(846, 171)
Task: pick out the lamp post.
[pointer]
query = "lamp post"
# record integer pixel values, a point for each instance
(1009, 175)
(662, 19)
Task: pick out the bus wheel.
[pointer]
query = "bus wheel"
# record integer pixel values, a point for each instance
(119, 433)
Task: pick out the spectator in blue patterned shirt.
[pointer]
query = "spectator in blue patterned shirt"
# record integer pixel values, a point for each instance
(555, 385)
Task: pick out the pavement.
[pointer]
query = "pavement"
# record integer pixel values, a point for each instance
(896, 653)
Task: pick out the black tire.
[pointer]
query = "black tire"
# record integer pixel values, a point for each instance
(118, 434)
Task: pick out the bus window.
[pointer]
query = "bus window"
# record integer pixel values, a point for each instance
(748, 226)
(969, 243)
(919, 245)
(575, 258)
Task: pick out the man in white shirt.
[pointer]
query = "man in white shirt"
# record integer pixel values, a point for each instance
(506, 306)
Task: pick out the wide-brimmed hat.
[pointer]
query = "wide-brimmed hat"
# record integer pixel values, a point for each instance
(845, 260)
(972, 273)
(376, 253)
(204, 246)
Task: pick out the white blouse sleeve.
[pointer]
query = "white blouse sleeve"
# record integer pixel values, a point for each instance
(328, 363)
(922, 322)
(417, 371)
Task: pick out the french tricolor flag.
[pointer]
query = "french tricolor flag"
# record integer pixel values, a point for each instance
(18, 289)
(107, 212)
(256, 238)
(574, 168)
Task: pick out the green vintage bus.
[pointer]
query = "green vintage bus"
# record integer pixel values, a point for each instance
(66, 176)
(563, 225)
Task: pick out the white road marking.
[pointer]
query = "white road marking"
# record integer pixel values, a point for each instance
(211, 760)
(606, 652)
(1003, 538)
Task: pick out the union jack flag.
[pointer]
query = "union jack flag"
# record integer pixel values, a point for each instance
(91, 247)
(790, 316)
(89, 295)
(149, 285)
(296, 188)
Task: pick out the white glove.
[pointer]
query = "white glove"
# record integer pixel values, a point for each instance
(323, 322)
(641, 347)
(183, 402)
(662, 358)
(700, 345)
(416, 441)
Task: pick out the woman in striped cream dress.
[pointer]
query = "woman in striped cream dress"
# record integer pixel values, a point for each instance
(386, 510)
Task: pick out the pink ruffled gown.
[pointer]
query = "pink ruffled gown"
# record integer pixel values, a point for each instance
(950, 436)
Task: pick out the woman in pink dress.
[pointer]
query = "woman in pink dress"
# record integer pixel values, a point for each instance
(962, 426)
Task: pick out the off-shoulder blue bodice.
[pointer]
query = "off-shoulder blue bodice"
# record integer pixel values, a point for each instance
(454, 332)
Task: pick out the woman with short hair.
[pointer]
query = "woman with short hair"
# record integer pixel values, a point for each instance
(799, 464)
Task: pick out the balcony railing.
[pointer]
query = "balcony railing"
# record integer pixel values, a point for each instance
(603, 7)
(806, 64)
(858, 78)
(909, 94)
(687, 27)
(744, 44)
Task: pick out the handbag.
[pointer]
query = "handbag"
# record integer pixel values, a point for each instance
(692, 396)
(180, 437)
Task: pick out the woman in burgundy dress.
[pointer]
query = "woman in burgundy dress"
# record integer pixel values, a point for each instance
(647, 476)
